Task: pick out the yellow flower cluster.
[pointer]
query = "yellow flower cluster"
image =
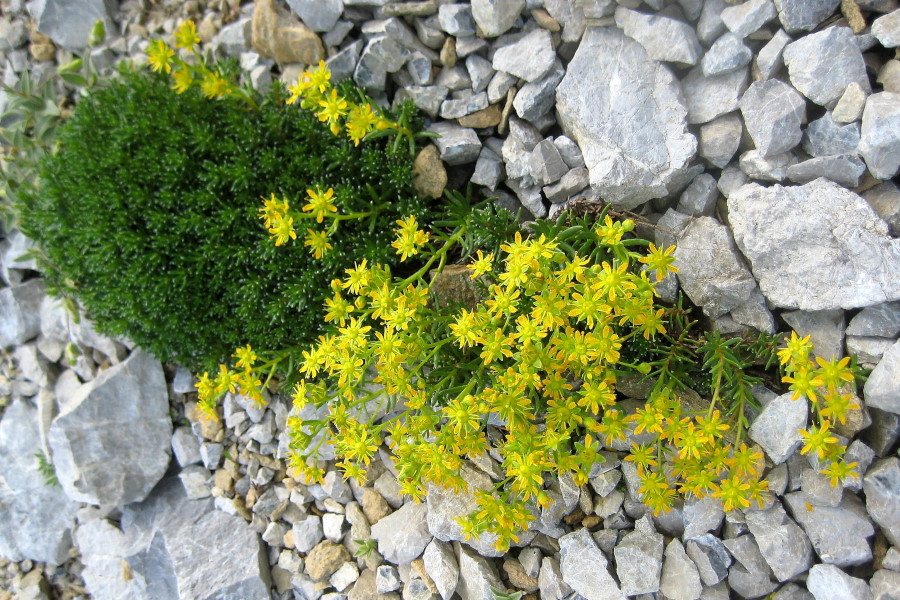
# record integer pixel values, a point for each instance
(242, 380)
(279, 219)
(824, 383)
(314, 91)
(213, 83)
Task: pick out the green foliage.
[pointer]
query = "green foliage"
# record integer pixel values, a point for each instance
(364, 547)
(45, 468)
(148, 214)
(503, 595)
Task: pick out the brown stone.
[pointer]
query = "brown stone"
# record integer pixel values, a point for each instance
(429, 174)
(418, 567)
(486, 117)
(543, 19)
(364, 588)
(517, 577)
(207, 29)
(252, 495)
(448, 52)
(278, 34)
(854, 17)
(42, 52)
(374, 506)
(591, 521)
(289, 539)
(325, 559)
(454, 285)
(241, 507)
(224, 481)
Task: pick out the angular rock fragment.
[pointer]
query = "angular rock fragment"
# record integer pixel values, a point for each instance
(680, 579)
(769, 58)
(665, 39)
(720, 139)
(495, 17)
(821, 65)
(879, 142)
(442, 567)
(797, 16)
(20, 312)
(881, 485)
(640, 148)
(782, 543)
(826, 137)
(403, 535)
(887, 29)
(709, 97)
(744, 19)
(584, 567)
(477, 575)
(712, 559)
(827, 582)
(529, 58)
(727, 54)
(838, 534)
(639, 559)
(457, 145)
(773, 112)
(318, 15)
(846, 170)
(815, 247)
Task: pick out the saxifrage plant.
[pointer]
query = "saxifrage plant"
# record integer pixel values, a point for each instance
(148, 213)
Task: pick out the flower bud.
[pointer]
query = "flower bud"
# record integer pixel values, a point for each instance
(97, 35)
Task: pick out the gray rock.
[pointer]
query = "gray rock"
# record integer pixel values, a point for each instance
(517, 148)
(234, 39)
(727, 54)
(868, 350)
(889, 76)
(173, 547)
(815, 247)
(720, 139)
(402, 535)
(664, 39)
(428, 98)
(850, 107)
(550, 581)
(397, 30)
(318, 15)
(639, 559)
(887, 29)
(454, 109)
(387, 579)
(112, 439)
(194, 479)
(489, 170)
(710, 25)
(777, 427)
(441, 566)
(529, 58)
(641, 148)
(343, 64)
(884, 198)
(211, 455)
(825, 137)
(825, 328)
(185, 446)
(570, 184)
(879, 142)
(839, 534)
(744, 19)
(12, 256)
(419, 68)
(882, 320)
(709, 97)
(782, 543)
(749, 575)
(821, 65)
(712, 559)
(792, 591)
(535, 99)
(804, 15)
(457, 145)
(846, 170)
(769, 58)
(569, 151)
(499, 85)
(332, 526)
(827, 582)
(571, 16)
(712, 272)
(477, 575)
(20, 312)
(699, 198)
(480, 72)
(495, 17)
(530, 559)
(308, 533)
(456, 20)
(702, 515)
(773, 112)
(773, 168)
(884, 431)
(546, 164)
(466, 46)
(584, 567)
(884, 584)
(38, 517)
(680, 579)
(69, 23)
(381, 55)
(881, 485)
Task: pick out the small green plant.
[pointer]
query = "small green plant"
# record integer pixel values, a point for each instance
(364, 547)
(45, 468)
(504, 595)
(148, 215)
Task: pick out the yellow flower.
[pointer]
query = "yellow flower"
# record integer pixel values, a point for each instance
(182, 79)
(817, 439)
(333, 108)
(214, 85)
(246, 357)
(409, 238)
(797, 350)
(282, 230)
(320, 203)
(358, 278)
(660, 260)
(159, 55)
(318, 242)
(360, 122)
(483, 264)
(186, 35)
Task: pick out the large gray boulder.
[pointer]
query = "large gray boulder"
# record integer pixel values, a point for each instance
(37, 517)
(171, 547)
(637, 146)
(111, 442)
(69, 22)
(817, 246)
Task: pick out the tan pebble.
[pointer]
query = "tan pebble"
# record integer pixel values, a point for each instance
(854, 17)
(429, 174)
(448, 52)
(486, 117)
(224, 481)
(374, 506)
(289, 539)
(252, 495)
(543, 19)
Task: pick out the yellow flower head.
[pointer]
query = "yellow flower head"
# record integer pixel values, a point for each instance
(318, 242)
(483, 264)
(182, 79)
(159, 55)
(214, 85)
(320, 203)
(186, 35)
(660, 261)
